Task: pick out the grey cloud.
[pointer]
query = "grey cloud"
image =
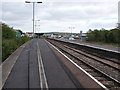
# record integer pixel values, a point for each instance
(119, 12)
(84, 12)
(60, 14)
(15, 11)
(103, 24)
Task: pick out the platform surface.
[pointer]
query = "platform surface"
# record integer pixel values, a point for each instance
(25, 72)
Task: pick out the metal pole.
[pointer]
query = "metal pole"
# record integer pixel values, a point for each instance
(35, 26)
(33, 13)
(33, 17)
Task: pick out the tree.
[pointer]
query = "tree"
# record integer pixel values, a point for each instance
(20, 31)
(106, 36)
(7, 32)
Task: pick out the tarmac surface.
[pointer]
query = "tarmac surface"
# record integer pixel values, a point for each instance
(26, 71)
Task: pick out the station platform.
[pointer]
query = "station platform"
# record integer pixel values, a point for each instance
(95, 45)
(40, 65)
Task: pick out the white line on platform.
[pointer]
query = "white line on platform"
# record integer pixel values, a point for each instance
(79, 67)
(43, 79)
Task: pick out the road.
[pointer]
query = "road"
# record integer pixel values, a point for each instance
(38, 67)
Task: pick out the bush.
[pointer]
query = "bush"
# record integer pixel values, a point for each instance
(10, 45)
(10, 42)
(7, 32)
(104, 36)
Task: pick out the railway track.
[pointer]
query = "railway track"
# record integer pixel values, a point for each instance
(105, 71)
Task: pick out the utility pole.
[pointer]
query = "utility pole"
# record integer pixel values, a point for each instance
(71, 28)
(33, 13)
(81, 35)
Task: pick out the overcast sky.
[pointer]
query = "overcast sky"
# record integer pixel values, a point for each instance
(59, 15)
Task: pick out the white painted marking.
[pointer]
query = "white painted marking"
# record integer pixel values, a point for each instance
(80, 67)
(41, 70)
(38, 53)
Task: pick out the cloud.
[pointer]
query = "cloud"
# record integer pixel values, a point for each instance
(119, 12)
(103, 23)
(59, 15)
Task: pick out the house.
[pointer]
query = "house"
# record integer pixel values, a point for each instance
(83, 36)
(29, 34)
(18, 34)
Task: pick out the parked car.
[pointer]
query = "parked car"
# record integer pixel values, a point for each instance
(71, 38)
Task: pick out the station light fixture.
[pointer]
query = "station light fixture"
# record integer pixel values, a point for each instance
(33, 12)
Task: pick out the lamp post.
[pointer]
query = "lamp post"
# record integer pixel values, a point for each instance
(33, 12)
(81, 35)
(71, 30)
(36, 24)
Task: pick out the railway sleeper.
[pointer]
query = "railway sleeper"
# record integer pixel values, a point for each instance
(100, 78)
(89, 70)
(115, 88)
(84, 67)
(108, 84)
(95, 74)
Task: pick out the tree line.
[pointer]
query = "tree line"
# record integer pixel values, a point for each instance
(9, 41)
(104, 36)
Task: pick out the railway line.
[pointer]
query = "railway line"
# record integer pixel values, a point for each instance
(52, 64)
(104, 70)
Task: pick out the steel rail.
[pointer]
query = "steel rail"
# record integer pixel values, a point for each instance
(99, 71)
